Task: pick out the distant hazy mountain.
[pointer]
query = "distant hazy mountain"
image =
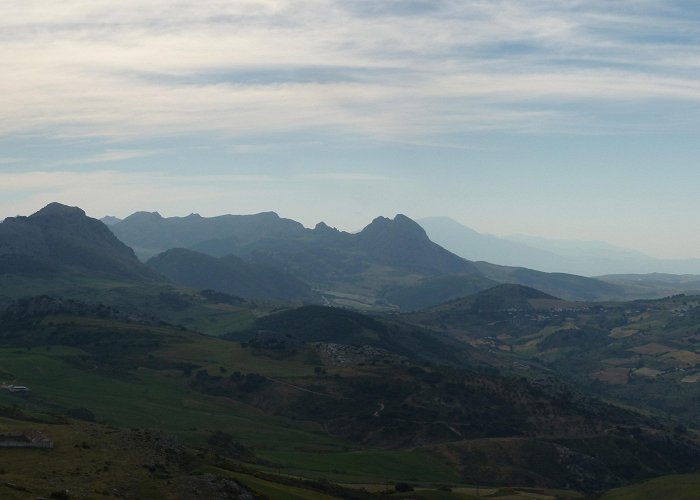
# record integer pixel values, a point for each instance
(230, 275)
(398, 243)
(564, 285)
(62, 239)
(149, 234)
(587, 258)
(475, 246)
(658, 283)
(383, 254)
(110, 220)
(353, 270)
(391, 262)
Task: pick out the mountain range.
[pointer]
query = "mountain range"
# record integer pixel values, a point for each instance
(391, 263)
(586, 258)
(456, 372)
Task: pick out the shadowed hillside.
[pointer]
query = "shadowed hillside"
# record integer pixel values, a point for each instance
(230, 275)
(58, 239)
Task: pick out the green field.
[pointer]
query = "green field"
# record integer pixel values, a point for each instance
(149, 399)
(678, 487)
(366, 465)
(162, 400)
(272, 489)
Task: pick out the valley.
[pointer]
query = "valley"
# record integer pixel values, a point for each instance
(471, 389)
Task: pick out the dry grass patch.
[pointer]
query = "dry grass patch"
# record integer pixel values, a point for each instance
(622, 332)
(612, 376)
(685, 357)
(621, 361)
(647, 372)
(651, 349)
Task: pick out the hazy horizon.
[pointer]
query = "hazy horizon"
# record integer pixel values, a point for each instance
(569, 120)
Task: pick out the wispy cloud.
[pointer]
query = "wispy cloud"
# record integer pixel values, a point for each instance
(52, 181)
(345, 176)
(392, 69)
(9, 160)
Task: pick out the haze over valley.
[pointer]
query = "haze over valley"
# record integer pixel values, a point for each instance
(265, 346)
(357, 250)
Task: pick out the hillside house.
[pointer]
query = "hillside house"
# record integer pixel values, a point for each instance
(25, 439)
(18, 388)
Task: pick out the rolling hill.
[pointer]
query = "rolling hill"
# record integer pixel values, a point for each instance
(230, 275)
(567, 286)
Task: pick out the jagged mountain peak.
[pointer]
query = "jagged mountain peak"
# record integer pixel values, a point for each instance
(269, 215)
(56, 209)
(143, 216)
(322, 227)
(403, 243)
(400, 225)
(110, 220)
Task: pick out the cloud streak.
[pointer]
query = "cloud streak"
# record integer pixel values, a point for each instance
(391, 69)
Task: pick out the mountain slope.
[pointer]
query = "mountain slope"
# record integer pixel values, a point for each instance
(403, 243)
(430, 292)
(497, 300)
(352, 269)
(59, 239)
(399, 244)
(333, 325)
(567, 286)
(228, 274)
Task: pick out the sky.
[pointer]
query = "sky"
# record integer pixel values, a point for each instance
(555, 118)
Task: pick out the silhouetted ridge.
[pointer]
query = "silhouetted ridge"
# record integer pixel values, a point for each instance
(58, 210)
(322, 227)
(400, 227)
(62, 238)
(110, 220)
(150, 234)
(143, 216)
(402, 242)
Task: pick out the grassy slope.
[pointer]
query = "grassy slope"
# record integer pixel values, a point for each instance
(170, 303)
(149, 399)
(677, 487)
(88, 460)
(162, 399)
(368, 465)
(270, 489)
